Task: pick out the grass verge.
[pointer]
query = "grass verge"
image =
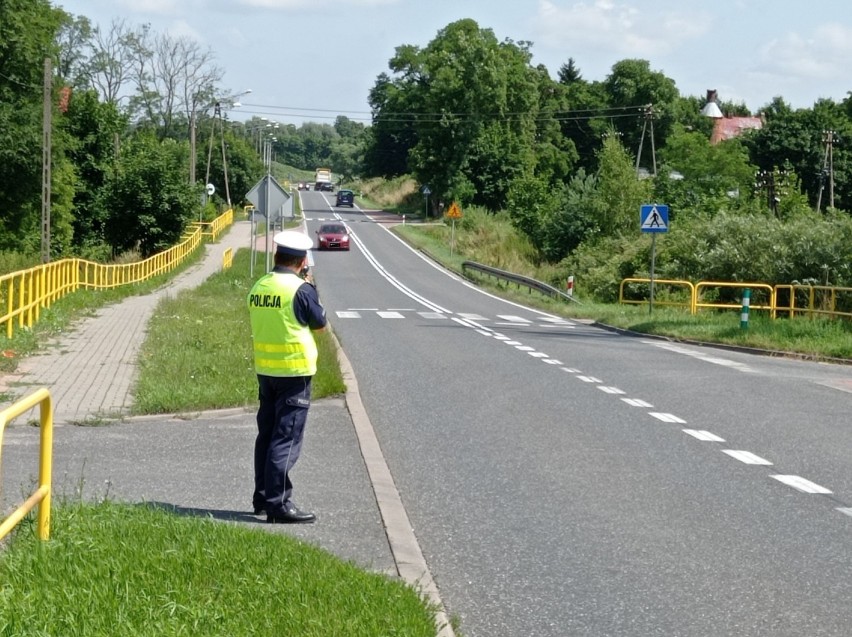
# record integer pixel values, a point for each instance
(198, 354)
(113, 569)
(821, 339)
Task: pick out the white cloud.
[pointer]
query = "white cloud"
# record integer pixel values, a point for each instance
(620, 29)
(289, 5)
(822, 55)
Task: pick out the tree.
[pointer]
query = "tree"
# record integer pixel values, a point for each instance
(172, 76)
(27, 36)
(798, 137)
(632, 87)
(697, 174)
(92, 130)
(393, 132)
(146, 198)
(619, 193)
(474, 104)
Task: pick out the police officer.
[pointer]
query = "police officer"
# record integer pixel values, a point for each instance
(285, 309)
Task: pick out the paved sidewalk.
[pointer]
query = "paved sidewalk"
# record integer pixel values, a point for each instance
(90, 372)
(202, 465)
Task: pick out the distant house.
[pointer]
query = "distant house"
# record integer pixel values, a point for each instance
(727, 127)
(730, 127)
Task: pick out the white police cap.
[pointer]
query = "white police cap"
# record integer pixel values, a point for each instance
(293, 242)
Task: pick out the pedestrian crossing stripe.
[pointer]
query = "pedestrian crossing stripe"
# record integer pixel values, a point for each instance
(398, 314)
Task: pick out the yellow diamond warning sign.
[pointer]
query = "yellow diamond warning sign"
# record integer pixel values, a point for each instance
(454, 212)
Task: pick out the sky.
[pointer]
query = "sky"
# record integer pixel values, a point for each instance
(312, 60)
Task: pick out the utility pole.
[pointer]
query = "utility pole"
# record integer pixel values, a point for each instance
(829, 138)
(47, 125)
(648, 117)
(217, 116)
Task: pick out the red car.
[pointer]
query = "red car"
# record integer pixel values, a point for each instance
(333, 236)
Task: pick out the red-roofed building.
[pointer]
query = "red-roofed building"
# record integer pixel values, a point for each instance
(730, 127)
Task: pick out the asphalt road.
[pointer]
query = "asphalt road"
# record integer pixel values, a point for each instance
(566, 480)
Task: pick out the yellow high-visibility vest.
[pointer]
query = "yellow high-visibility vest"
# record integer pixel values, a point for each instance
(282, 345)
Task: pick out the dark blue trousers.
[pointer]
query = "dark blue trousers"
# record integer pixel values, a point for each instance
(281, 419)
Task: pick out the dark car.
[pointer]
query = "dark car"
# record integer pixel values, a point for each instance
(333, 236)
(345, 198)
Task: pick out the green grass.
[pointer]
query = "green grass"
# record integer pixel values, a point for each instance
(198, 354)
(821, 339)
(116, 569)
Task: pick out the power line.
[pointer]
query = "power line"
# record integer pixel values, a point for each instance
(614, 112)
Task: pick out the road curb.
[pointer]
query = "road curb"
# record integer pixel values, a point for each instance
(407, 555)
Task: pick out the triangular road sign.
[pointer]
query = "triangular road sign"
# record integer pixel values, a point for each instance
(268, 187)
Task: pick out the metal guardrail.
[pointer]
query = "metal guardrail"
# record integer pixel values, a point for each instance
(519, 280)
(41, 497)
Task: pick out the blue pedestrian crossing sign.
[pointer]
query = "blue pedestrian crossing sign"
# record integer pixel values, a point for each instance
(654, 218)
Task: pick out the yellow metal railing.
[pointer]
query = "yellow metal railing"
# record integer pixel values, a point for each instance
(701, 285)
(795, 299)
(213, 229)
(227, 258)
(820, 300)
(688, 303)
(23, 294)
(41, 497)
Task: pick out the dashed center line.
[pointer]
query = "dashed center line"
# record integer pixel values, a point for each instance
(666, 417)
(801, 484)
(610, 390)
(589, 379)
(637, 402)
(703, 435)
(746, 456)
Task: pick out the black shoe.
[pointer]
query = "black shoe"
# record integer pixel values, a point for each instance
(258, 510)
(291, 516)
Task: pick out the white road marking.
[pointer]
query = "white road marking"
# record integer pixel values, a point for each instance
(707, 358)
(514, 319)
(845, 511)
(556, 320)
(512, 342)
(525, 348)
(801, 484)
(570, 370)
(589, 379)
(348, 314)
(746, 456)
(610, 390)
(432, 315)
(666, 417)
(471, 317)
(537, 354)
(552, 361)
(390, 315)
(636, 402)
(500, 337)
(703, 434)
(484, 332)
